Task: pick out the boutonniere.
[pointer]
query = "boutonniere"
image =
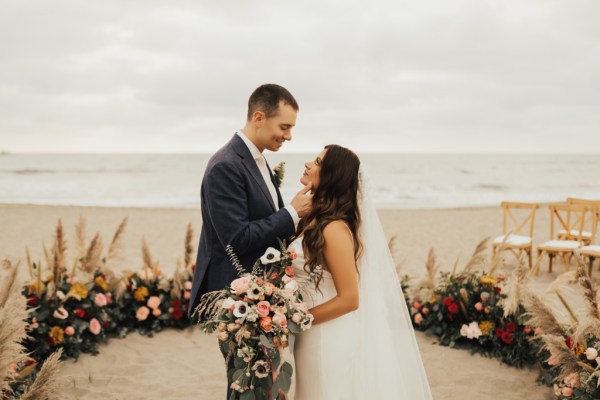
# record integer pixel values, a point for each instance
(279, 172)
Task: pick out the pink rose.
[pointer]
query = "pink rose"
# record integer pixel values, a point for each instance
(61, 313)
(478, 306)
(187, 285)
(418, 318)
(156, 312)
(100, 300)
(69, 331)
(95, 326)
(417, 305)
(280, 319)
(240, 285)
(142, 313)
(153, 302)
(425, 310)
(263, 308)
(109, 298)
(567, 391)
(187, 295)
(289, 270)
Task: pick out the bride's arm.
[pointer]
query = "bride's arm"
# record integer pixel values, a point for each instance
(339, 255)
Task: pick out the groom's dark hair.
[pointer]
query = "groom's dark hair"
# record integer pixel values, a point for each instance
(266, 98)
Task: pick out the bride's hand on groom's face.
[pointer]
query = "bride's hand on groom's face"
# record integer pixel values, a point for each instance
(302, 201)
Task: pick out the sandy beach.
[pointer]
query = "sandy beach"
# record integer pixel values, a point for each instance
(188, 365)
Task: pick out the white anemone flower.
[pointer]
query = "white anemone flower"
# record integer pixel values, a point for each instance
(271, 256)
(240, 309)
(261, 369)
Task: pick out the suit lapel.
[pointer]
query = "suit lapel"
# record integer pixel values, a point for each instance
(250, 164)
(274, 181)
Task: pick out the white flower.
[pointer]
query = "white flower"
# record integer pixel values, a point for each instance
(261, 369)
(591, 353)
(291, 286)
(255, 291)
(252, 315)
(240, 308)
(307, 323)
(228, 302)
(246, 352)
(286, 279)
(470, 331)
(271, 256)
(296, 318)
(60, 295)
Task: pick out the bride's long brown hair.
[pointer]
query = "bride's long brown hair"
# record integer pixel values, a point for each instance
(335, 198)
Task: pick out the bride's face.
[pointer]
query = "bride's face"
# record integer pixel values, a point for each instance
(313, 171)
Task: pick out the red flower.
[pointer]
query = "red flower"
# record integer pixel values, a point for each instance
(80, 312)
(453, 308)
(499, 332)
(497, 290)
(32, 301)
(177, 314)
(30, 362)
(447, 301)
(506, 337)
(570, 343)
(106, 324)
(511, 326)
(177, 303)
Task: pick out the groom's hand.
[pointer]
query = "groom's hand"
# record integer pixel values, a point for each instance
(302, 201)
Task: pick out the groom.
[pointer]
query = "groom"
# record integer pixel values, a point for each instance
(241, 203)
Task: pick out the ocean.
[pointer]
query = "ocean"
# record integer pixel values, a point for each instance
(399, 180)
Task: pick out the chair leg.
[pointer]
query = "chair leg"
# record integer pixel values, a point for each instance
(591, 264)
(551, 257)
(530, 258)
(567, 259)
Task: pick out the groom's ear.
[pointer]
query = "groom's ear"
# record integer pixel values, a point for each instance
(258, 117)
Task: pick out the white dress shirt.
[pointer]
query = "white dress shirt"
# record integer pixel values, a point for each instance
(262, 166)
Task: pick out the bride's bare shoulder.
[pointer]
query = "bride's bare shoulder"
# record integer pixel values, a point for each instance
(337, 231)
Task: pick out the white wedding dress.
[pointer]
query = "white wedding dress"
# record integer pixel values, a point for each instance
(325, 354)
(370, 353)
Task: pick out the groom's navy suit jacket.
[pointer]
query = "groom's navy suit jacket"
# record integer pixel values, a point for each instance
(237, 210)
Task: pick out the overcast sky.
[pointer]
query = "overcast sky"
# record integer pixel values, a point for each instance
(418, 76)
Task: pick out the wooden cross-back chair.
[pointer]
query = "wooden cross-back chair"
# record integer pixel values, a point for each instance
(520, 228)
(587, 225)
(569, 217)
(592, 250)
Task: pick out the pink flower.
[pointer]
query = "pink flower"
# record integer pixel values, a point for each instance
(187, 295)
(269, 288)
(187, 285)
(263, 308)
(100, 300)
(156, 312)
(240, 285)
(418, 318)
(69, 331)
(61, 313)
(95, 326)
(265, 324)
(289, 270)
(425, 310)
(591, 353)
(417, 305)
(478, 306)
(296, 318)
(142, 313)
(567, 391)
(572, 380)
(280, 319)
(153, 302)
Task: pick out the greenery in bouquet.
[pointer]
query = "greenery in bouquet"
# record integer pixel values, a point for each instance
(254, 318)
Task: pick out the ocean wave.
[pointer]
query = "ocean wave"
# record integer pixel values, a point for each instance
(496, 188)
(34, 171)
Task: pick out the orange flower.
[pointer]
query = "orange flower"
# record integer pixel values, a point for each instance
(265, 324)
(79, 291)
(56, 335)
(101, 283)
(141, 293)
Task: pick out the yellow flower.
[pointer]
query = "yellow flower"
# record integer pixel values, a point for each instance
(580, 349)
(488, 280)
(56, 335)
(33, 288)
(141, 293)
(79, 291)
(434, 298)
(486, 327)
(101, 283)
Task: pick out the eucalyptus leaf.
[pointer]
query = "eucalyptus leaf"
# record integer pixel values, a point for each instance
(265, 342)
(287, 368)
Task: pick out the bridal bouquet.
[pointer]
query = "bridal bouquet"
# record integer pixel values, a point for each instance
(254, 318)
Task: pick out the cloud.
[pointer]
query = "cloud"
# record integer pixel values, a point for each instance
(437, 76)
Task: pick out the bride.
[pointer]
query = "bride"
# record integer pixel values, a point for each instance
(362, 344)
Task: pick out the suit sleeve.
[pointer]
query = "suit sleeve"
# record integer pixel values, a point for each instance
(227, 202)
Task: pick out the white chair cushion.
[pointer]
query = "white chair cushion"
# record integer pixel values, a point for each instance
(575, 232)
(595, 248)
(514, 239)
(561, 244)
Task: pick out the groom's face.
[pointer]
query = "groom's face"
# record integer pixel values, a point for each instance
(273, 132)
